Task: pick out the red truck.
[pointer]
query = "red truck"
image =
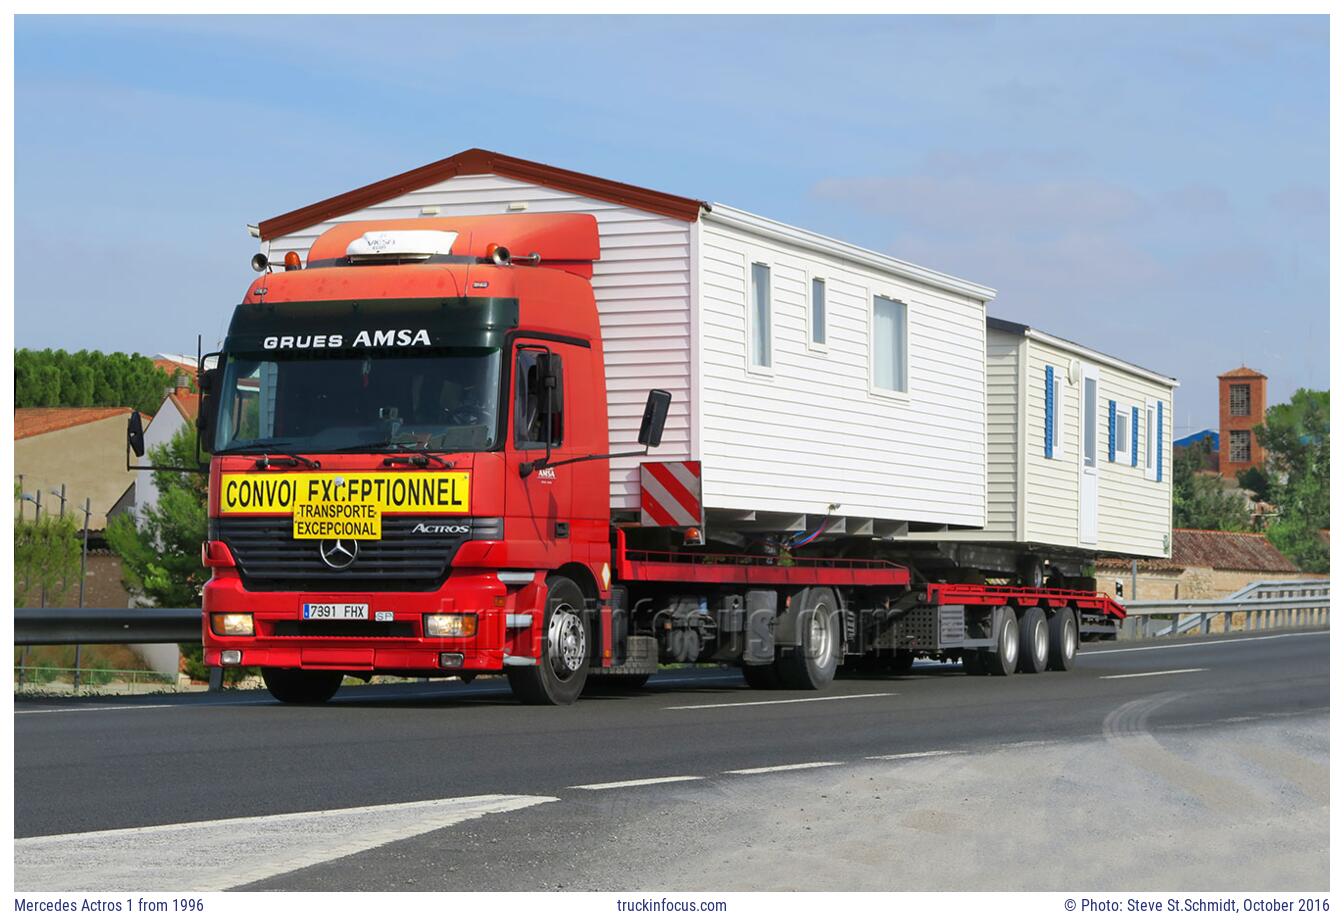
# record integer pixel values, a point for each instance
(409, 476)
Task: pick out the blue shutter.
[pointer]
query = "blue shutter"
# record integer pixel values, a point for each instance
(1111, 444)
(1134, 438)
(1159, 440)
(1049, 411)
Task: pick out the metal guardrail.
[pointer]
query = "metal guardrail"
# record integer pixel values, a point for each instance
(105, 625)
(1148, 619)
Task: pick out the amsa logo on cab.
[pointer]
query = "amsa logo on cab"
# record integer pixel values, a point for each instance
(365, 338)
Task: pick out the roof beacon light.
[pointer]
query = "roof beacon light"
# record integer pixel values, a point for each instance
(401, 245)
(497, 254)
(292, 261)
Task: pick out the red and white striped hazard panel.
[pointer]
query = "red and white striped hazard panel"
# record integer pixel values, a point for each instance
(669, 494)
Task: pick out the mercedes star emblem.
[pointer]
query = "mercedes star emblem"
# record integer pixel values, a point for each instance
(338, 554)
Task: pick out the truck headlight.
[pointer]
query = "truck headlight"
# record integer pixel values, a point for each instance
(450, 625)
(231, 624)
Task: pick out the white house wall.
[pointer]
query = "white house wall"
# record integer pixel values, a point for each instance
(642, 286)
(167, 422)
(810, 431)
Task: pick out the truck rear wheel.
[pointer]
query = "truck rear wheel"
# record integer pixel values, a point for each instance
(1033, 641)
(811, 665)
(291, 685)
(558, 676)
(1002, 661)
(1063, 639)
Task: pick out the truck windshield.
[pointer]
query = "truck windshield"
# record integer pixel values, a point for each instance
(440, 400)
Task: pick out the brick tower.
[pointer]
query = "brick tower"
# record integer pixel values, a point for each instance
(1241, 406)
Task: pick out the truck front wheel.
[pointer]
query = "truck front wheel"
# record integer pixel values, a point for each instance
(558, 677)
(290, 685)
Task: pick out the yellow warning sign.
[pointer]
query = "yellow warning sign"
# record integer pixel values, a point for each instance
(337, 520)
(441, 492)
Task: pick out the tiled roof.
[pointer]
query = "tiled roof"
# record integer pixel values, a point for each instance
(1242, 372)
(1213, 549)
(31, 422)
(189, 404)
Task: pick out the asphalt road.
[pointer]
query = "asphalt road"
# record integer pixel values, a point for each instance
(93, 765)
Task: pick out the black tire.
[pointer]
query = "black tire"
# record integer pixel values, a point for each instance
(558, 677)
(811, 665)
(296, 687)
(1003, 660)
(973, 663)
(1033, 643)
(761, 676)
(621, 683)
(1063, 639)
(1030, 574)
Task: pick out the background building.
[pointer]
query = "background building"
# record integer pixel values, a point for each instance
(1241, 406)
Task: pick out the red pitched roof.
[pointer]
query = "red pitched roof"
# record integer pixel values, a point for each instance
(189, 404)
(1242, 372)
(31, 422)
(476, 162)
(173, 368)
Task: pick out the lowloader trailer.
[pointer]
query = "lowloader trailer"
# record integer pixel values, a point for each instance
(410, 444)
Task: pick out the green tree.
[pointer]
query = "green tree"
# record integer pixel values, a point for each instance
(1202, 502)
(46, 554)
(161, 553)
(88, 378)
(1296, 438)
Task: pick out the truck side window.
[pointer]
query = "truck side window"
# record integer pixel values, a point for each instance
(529, 419)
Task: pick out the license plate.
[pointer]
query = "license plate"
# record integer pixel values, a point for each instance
(335, 611)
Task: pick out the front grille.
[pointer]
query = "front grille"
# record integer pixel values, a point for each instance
(351, 628)
(270, 559)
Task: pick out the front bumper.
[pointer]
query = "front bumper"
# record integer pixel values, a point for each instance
(503, 611)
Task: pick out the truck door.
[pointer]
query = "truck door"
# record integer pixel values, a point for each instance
(539, 505)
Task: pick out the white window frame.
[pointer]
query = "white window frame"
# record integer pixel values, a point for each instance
(871, 296)
(1122, 419)
(761, 370)
(810, 277)
(1057, 420)
(1149, 445)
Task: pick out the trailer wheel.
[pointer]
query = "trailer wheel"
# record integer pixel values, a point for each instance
(1003, 660)
(1063, 639)
(1033, 641)
(291, 685)
(558, 676)
(812, 664)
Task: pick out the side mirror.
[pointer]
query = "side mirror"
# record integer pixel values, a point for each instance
(135, 434)
(655, 417)
(548, 378)
(207, 381)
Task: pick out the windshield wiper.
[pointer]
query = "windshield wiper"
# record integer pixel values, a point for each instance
(285, 458)
(420, 457)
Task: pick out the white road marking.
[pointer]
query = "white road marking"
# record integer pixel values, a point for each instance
(1164, 646)
(787, 766)
(1151, 673)
(39, 712)
(912, 755)
(215, 855)
(651, 781)
(806, 699)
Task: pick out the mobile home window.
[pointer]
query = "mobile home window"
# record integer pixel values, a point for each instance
(760, 315)
(818, 311)
(889, 344)
(1056, 413)
(1090, 422)
(1122, 435)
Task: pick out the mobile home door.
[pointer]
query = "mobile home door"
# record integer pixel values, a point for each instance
(1088, 424)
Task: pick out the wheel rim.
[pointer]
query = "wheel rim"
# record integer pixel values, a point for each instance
(819, 640)
(1009, 641)
(1070, 638)
(1041, 640)
(568, 642)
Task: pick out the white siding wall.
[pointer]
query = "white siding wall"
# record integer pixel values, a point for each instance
(810, 431)
(1052, 489)
(1133, 513)
(160, 430)
(1003, 352)
(642, 286)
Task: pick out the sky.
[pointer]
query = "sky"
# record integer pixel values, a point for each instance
(1153, 187)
